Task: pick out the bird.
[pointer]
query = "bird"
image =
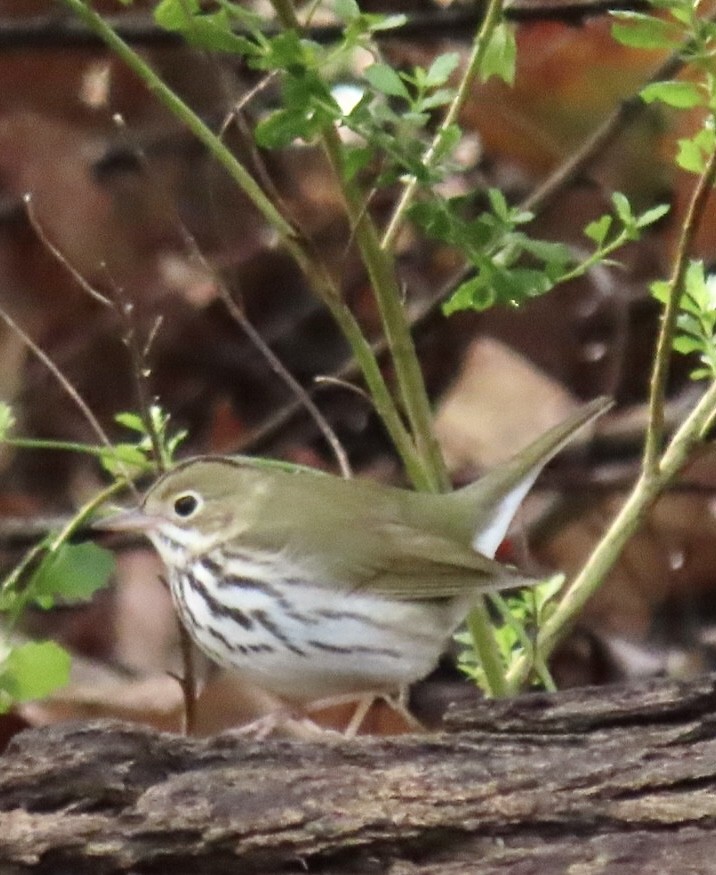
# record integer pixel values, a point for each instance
(317, 587)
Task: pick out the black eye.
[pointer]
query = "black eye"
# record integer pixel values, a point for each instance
(187, 504)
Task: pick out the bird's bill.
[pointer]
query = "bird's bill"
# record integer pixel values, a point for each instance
(133, 520)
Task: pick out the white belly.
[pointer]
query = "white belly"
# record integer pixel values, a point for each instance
(302, 642)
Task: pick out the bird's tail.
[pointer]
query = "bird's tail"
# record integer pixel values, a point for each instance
(491, 502)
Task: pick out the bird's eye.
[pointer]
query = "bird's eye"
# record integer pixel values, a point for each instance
(187, 504)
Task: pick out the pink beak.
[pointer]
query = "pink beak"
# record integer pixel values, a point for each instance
(133, 520)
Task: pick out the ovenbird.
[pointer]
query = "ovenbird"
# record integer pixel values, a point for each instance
(314, 586)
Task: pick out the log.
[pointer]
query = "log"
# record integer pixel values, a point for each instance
(599, 780)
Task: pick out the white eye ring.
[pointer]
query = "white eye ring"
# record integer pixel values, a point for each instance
(187, 504)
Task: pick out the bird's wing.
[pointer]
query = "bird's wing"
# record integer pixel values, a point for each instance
(423, 565)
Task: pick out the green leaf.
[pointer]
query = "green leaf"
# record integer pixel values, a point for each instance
(690, 157)
(681, 95)
(651, 216)
(346, 10)
(33, 670)
(132, 421)
(694, 152)
(355, 159)
(623, 208)
(384, 79)
(685, 344)
(437, 98)
(385, 22)
(642, 31)
(71, 574)
(660, 290)
(7, 419)
(211, 31)
(280, 129)
(549, 251)
(598, 230)
(473, 294)
(500, 55)
(441, 69)
(499, 204)
(451, 136)
(121, 460)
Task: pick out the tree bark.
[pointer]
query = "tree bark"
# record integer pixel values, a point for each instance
(608, 780)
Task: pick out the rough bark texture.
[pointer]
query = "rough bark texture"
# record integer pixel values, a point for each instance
(611, 780)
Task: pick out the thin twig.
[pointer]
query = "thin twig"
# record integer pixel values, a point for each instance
(60, 256)
(665, 340)
(480, 44)
(140, 371)
(238, 315)
(64, 382)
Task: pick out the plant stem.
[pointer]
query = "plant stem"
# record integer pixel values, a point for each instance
(624, 525)
(318, 277)
(665, 340)
(656, 472)
(50, 544)
(381, 270)
(200, 130)
(479, 47)
(482, 633)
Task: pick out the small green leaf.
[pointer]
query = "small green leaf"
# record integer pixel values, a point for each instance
(280, 129)
(121, 460)
(686, 344)
(651, 216)
(642, 31)
(690, 157)
(7, 419)
(436, 98)
(355, 159)
(681, 95)
(702, 374)
(549, 251)
(132, 421)
(441, 69)
(660, 290)
(473, 294)
(499, 204)
(598, 230)
(33, 670)
(71, 574)
(386, 22)
(346, 10)
(211, 31)
(384, 79)
(623, 209)
(500, 55)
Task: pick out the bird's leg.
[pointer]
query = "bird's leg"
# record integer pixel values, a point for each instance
(397, 703)
(287, 720)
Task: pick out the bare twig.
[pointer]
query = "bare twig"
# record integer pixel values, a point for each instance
(64, 382)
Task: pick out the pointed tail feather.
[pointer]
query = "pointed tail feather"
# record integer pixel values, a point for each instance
(492, 501)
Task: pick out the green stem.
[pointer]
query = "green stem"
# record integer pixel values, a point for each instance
(180, 109)
(382, 274)
(656, 472)
(381, 271)
(317, 275)
(492, 18)
(624, 525)
(50, 544)
(665, 340)
(483, 637)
